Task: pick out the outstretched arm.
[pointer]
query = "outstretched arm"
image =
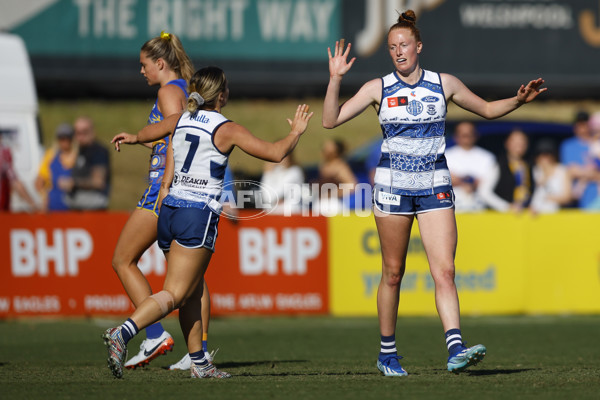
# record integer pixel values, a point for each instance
(232, 134)
(464, 98)
(149, 133)
(333, 114)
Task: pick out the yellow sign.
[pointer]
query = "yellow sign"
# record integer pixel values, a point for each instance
(505, 264)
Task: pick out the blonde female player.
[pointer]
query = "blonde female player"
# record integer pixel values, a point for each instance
(164, 63)
(202, 140)
(412, 178)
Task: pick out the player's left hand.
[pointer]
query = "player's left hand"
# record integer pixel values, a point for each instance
(123, 138)
(525, 94)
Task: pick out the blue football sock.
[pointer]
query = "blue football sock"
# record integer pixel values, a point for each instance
(388, 346)
(154, 331)
(128, 330)
(454, 341)
(198, 358)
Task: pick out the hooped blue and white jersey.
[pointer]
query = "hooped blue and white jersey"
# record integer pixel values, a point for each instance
(199, 167)
(413, 124)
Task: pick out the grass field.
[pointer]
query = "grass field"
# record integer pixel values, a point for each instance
(265, 118)
(310, 358)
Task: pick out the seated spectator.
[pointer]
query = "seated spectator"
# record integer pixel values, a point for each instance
(336, 179)
(551, 179)
(278, 183)
(9, 180)
(468, 165)
(54, 177)
(507, 186)
(575, 153)
(90, 184)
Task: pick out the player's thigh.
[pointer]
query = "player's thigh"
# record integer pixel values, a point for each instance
(185, 270)
(394, 235)
(137, 235)
(439, 236)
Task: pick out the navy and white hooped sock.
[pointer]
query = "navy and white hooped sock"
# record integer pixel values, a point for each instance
(454, 341)
(128, 330)
(198, 358)
(154, 331)
(388, 346)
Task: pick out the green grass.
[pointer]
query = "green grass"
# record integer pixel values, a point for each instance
(311, 358)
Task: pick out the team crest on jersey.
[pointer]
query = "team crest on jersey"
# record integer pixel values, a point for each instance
(430, 99)
(431, 109)
(414, 107)
(397, 101)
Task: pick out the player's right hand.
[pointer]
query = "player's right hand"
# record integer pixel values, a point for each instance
(123, 138)
(338, 64)
(300, 122)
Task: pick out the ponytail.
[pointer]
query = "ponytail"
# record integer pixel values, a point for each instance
(168, 47)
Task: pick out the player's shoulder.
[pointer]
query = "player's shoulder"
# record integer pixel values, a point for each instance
(170, 91)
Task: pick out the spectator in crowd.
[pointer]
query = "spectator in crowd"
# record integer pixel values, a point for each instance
(9, 180)
(281, 186)
(90, 184)
(468, 165)
(551, 179)
(575, 153)
(336, 179)
(594, 124)
(507, 186)
(55, 173)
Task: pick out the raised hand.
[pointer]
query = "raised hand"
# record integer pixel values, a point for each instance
(123, 138)
(525, 94)
(338, 64)
(300, 122)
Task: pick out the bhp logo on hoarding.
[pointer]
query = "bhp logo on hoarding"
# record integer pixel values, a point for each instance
(31, 252)
(262, 252)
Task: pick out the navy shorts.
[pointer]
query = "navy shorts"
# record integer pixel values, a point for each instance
(397, 204)
(190, 227)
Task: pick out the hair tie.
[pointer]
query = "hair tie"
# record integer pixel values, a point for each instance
(165, 35)
(408, 17)
(197, 98)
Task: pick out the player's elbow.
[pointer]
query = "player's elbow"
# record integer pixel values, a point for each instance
(328, 124)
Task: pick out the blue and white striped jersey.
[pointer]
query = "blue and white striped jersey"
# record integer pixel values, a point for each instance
(413, 123)
(199, 167)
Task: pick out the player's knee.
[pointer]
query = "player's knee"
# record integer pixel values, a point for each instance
(444, 275)
(118, 262)
(392, 273)
(165, 301)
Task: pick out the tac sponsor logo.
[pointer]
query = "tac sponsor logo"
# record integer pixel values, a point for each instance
(430, 99)
(397, 101)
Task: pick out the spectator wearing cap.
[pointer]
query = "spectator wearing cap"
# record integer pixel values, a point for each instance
(55, 170)
(552, 180)
(575, 154)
